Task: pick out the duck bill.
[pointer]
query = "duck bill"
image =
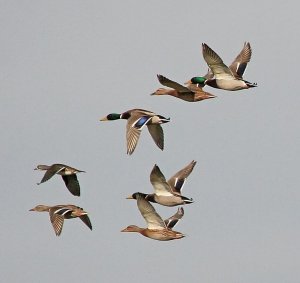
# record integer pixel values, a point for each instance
(130, 197)
(103, 119)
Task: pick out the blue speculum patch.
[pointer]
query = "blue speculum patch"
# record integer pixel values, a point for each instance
(141, 121)
(179, 184)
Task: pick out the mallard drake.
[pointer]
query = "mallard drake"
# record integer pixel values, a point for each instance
(157, 228)
(136, 120)
(168, 193)
(192, 93)
(67, 173)
(58, 213)
(223, 77)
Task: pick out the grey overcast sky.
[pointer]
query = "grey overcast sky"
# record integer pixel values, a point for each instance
(65, 64)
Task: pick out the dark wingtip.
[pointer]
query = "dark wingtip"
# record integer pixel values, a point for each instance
(204, 45)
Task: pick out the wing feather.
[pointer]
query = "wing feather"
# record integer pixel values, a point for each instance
(54, 169)
(157, 134)
(153, 220)
(239, 64)
(56, 220)
(159, 183)
(173, 220)
(177, 181)
(216, 64)
(72, 184)
(169, 83)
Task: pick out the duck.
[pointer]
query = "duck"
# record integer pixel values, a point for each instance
(168, 193)
(67, 173)
(137, 119)
(221, 76)
(58, 213)
(191, 93)
(157, 228)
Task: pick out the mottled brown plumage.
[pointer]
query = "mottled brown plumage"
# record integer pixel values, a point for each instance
(191, 93)
(58, 213)
(157, 229)
(68, 174)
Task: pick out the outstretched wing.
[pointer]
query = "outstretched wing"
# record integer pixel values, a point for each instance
(172, 221)
(72, 184)
(169, 83)
(134, 128)
(239, 64)
(154, 221)
(216, 64)
(159, 183)
(157, 134)
(54, 169)
(56, 219)
(86, 220)
(177, 181)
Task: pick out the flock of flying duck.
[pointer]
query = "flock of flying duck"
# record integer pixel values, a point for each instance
(166, 192)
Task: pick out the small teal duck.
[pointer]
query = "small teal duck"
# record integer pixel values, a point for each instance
(157, 229)
(137, 119)
(168, 193)
(67, 173)
(58, 213)
(191, 93)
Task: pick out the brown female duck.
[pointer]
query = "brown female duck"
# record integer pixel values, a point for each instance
(68, 175)
(191, 93)
(157, 229)
(58, 213)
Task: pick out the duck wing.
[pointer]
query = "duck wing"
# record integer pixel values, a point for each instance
(178, 180)
(239, 64)
(157, 134)
(86, 220)
(57, 219)
(159, 183)
(134, 128)
(216, 64)
(172, 221)
(54, 169)
(169, 83)
(154, 221)
(72, 184)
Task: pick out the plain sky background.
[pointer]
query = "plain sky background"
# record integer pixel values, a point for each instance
(66, 64)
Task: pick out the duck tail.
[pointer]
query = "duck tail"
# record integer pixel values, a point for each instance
(251, 84)
(163, 119)
(187, 200)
